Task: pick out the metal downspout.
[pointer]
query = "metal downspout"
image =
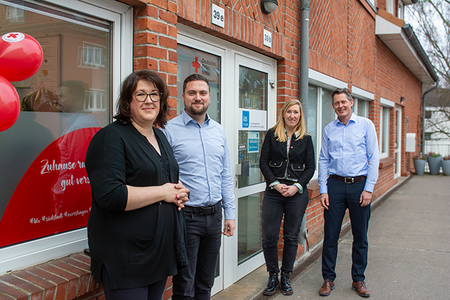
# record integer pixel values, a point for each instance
(303, 85)
(423, 115)
(304, 49)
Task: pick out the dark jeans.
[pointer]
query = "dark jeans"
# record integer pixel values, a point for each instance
(153, 291)
(342, 196)
(273, 208)
(203, 245)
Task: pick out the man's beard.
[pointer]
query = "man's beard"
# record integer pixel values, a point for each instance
(198, 110)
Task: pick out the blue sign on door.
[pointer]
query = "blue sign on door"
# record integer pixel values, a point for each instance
(245, 119)
(253, 142)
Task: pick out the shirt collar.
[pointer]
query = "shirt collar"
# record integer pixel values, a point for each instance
(351, 120)
(295, 133)
(187, 118)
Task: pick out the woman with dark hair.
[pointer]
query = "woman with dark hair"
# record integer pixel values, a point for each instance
(287, 163)
(135, 231)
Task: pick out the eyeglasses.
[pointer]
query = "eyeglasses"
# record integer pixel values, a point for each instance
(154, 97)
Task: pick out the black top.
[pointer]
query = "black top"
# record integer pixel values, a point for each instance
(141, 246)
(275, 164)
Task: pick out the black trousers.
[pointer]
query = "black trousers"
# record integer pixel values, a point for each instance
(273, 208)
(342, 196)
(203, 244)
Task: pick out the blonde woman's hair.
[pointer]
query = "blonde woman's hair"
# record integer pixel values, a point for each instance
(299, 130)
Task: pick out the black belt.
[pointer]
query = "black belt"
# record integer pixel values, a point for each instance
(204, 210)
(349, 179)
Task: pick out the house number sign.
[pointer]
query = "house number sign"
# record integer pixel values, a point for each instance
(218, 16)
(267, 38)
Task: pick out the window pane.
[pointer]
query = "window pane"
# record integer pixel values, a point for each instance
(400, 10)
(328, 113)
(253, 87)
(311, 115)
(44, 150)
(253, 93)
(390, 6)
(249, 229)
(363, 108)
(385, 139)
(191, 61)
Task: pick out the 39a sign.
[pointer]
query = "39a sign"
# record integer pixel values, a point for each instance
(267, 38)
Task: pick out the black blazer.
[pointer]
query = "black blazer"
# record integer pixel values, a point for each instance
(300, 164)
(136, 247)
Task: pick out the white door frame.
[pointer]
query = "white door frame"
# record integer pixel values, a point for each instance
(398, 149)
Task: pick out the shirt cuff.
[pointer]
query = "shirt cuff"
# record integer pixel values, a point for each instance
(369, 187)
(300, 188)
(273, 184)
(323, 190)
(230, 214)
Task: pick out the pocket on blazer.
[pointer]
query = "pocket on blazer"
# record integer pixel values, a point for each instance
(275, 164)
(298, 167)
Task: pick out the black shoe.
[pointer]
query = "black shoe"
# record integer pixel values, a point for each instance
(272, 285)
(285, 285)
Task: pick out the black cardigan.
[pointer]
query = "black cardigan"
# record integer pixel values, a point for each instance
(136, 247)
(300, 164)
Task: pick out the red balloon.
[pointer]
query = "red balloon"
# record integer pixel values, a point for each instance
(9, 104)
(20, 56)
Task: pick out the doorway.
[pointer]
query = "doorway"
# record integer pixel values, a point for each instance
(244, 103)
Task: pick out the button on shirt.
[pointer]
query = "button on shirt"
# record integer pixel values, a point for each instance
(205, 166)
(349, 150)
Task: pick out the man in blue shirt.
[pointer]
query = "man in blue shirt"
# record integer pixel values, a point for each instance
(348, 171)
(200, 147)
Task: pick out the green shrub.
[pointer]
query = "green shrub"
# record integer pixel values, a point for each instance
(432, 154)
(421, 157)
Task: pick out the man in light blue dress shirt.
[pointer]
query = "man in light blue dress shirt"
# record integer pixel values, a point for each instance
(348, 172)
(200, 147)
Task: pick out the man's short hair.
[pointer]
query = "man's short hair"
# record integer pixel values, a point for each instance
(341, 91)
(195, 77)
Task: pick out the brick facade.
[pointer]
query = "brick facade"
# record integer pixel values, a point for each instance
(343, 45)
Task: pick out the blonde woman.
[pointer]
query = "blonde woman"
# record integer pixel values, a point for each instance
(287, 163)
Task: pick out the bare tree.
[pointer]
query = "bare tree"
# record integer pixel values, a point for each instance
(431, 22)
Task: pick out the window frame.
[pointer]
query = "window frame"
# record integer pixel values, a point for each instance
(400, 10)
(390, 6)
(321, 81)
(19, 256)
(385, 127)
(371, 3)
(362, 95)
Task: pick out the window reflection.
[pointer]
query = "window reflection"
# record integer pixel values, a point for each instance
(62, 106)
(192, 61)
(253, 95)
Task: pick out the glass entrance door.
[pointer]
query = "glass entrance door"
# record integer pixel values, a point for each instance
(253, 90)
(245, 106)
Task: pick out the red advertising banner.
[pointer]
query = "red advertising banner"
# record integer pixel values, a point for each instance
(54, 195)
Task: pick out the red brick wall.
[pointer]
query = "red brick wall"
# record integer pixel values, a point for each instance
(155, 42)
(328, 38)
(364, 49)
